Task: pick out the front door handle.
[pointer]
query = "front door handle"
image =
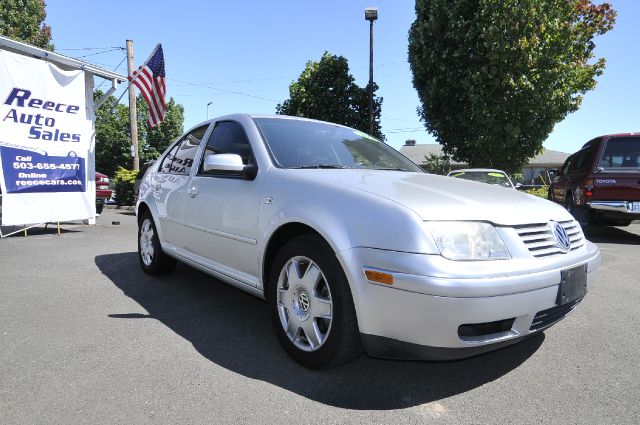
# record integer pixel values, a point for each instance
(193, 191)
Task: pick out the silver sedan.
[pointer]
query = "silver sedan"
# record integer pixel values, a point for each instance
(354, 247)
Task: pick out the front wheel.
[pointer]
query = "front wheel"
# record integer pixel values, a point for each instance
(153, 259)
(311, 305)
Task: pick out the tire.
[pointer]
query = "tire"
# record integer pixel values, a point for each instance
(99, 207)
(311, 305)
(153, 259)
(581, 215)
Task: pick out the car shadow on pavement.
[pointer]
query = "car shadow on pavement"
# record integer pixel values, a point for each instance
(617, 235)
(233, 330)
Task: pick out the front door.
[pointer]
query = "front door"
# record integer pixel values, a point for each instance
(222, 209)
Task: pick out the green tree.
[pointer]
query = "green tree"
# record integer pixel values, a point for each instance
(326, 91)
(437, 164)
(112, 136)
(495, 76)
(23, 20)
(153, 141)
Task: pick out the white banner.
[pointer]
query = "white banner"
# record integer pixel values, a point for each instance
(45, 143)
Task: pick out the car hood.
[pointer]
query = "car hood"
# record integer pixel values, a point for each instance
(435, 197)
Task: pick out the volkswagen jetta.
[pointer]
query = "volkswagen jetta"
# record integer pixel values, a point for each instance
(355, 247)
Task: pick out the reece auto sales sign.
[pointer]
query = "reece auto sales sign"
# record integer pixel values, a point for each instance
(45, 142)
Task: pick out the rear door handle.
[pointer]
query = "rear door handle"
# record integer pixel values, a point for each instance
(193, 191)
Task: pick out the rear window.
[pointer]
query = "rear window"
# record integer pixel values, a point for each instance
(621, 153)
(490, 177)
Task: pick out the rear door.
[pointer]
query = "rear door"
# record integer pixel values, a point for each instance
(617, 175)
(170, 185)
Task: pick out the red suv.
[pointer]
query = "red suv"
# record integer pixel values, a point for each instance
(601, 182)
(103, 191)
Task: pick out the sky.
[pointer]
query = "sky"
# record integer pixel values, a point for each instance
(242, 55)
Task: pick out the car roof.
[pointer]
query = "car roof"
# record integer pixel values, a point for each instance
(235, 116)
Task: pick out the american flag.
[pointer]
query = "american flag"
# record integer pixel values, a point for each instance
(149, 79)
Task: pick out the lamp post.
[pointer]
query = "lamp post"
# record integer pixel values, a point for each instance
(371, 14)
(208, 104)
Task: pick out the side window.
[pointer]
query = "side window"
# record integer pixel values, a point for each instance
(228, 137)
(586, 161)
(575, 161)
(165, 165)
(179, 160)
(565, 166)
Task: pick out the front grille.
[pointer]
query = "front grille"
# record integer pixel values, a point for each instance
(546, 318)
(540, 241)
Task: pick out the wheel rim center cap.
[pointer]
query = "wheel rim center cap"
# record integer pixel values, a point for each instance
(301, 303)
(304, 301)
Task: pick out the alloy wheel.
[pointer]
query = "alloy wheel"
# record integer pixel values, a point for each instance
(146, 242)
(305, 306)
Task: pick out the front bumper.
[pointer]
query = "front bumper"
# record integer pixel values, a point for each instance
(419, 316)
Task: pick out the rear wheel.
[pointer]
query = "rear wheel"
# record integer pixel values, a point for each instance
(581, 215)
(153, 259)
(311, 305)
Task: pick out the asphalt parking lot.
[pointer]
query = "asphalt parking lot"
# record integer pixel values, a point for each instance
(87, 337)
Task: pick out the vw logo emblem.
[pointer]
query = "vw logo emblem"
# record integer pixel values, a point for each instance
(303, 301)
(562, 239)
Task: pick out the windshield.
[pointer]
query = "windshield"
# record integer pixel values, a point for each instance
(490, 177)
(310, 144)
(621, 153)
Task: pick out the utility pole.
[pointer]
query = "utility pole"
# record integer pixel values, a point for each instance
(371, 14)
(133, 119)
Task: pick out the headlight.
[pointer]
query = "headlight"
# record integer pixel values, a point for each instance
(460, 240)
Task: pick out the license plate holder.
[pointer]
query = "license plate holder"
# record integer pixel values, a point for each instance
(573, 284)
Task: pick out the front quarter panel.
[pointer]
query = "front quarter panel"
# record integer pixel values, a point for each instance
(344, 216)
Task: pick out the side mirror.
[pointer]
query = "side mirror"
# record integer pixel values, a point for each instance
(518, 186)
(553, 173)
(229, 164)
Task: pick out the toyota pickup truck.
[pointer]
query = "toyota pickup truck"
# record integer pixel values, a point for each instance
(600, 184)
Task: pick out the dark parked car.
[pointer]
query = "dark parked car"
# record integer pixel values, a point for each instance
(601, 182)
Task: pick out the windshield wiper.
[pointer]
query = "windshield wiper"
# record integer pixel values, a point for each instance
(322, 166)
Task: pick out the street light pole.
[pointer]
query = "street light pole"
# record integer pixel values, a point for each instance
(371, 14)
(208, 104)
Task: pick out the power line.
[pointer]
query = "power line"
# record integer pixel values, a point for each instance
(89, 48)
(100, 53)
(405, 130)
(222, 90)
(401, 119)
(115, 69)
